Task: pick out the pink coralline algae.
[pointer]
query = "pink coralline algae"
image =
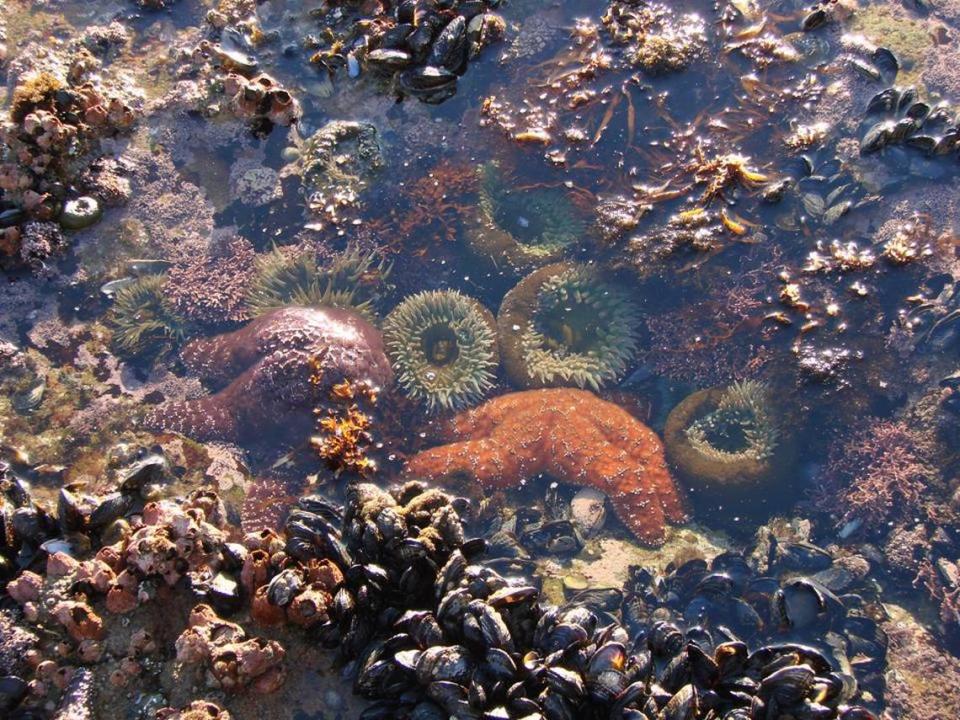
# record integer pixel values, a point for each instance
(879, 475)
(268, 365)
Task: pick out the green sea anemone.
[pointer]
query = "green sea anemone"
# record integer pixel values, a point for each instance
(723, 437)
(524, 229)
(443, 346)
(142, 319)
(565, 325)
(350, 281)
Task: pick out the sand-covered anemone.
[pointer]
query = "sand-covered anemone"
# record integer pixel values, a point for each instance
(523, 229)
(143, 320)
(564, 325)
(443, 346)
(726, 437)
(349, 281)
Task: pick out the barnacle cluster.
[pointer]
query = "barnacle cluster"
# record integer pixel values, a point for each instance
(566, 325)
(348, 281)
(522, 228)
(143, 318)
(260, 98)
(724, 436)
(443, 346)
(52, 129)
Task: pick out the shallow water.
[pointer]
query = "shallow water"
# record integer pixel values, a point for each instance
(823, 314)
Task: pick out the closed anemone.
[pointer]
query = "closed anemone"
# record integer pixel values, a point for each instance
(143, 321)
(443, 347)
(725, 436)
(524, 228)
(349, 281)
(565, 325)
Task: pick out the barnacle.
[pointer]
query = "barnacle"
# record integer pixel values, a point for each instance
(348, 282)
(566, 325)
(443, 346)
(143, 320)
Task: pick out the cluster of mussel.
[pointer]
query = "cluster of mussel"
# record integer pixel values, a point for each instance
(795, 599)
(426, 44)
(436, 632)
(431, 629)
(908, 120)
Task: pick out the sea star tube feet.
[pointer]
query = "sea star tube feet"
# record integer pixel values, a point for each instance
(268, 365)
(571, 435)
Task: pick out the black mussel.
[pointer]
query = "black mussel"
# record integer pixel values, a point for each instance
(665, 639)
(426, 78)
(800, 603)
(877, 137)
(12, 691)
(903, 128)
(788, 685)
(513, 595)
(947, 143)
(814, 19)
(110, 508)
(32, 525)
(11, 217)
(451, 663)
(406, 11)
(564, 636)
(857, 713)
(450, 48)
(684, 705)
(558, 537)
(884, 101)
(598, 599)
(802, 556)
(918, 111)
(396, 37)
(223, 592)
(284, 587)
(319, 505)
(565, 682)
(389, 60)
(555, 706)
(606, 673)
(908, 97)
(886, 62)
(450, 574)
(419, 40)
(146, 471)
(71, 510)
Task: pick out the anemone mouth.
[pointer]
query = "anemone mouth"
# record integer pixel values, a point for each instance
(528, 227)
(738, 428)
(443, 347)
(569, 327)
(440, 345)
(565, 325)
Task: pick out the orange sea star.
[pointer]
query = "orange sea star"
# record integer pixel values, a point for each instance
(571, 435)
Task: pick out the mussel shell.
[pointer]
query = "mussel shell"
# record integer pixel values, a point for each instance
(884, 101)
(11, 217)
(886, 62)
(284, 587)
(12, 691)
(450, 48)
(877, 137)
(110, 508)
(814, 19)
(451, 663)
(389, 60)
